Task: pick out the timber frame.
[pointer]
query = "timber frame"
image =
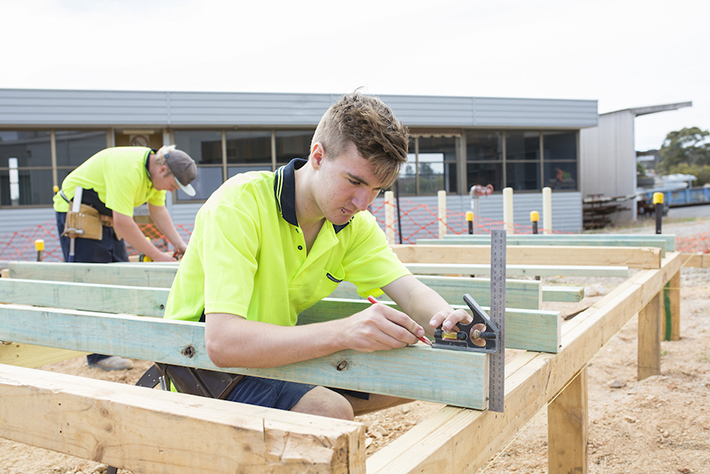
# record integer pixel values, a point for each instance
(154, 431)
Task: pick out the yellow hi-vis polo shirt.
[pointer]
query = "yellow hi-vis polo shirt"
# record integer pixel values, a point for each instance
(247, 255)
(120, 178)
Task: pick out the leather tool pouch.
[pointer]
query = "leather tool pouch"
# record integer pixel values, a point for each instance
(205, 383)
(86, 220)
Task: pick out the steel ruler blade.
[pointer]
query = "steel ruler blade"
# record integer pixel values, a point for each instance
(496, 381)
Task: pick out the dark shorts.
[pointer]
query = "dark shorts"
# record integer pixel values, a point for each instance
(269, 393)
(276, 393)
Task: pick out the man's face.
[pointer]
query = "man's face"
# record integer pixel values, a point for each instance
(164, 180)
(346, 185)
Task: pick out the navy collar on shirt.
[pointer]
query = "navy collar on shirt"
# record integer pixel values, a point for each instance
(285, 192)
(147, 162)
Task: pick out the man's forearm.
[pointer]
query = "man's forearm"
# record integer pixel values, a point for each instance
(128, 230)
(165, 225)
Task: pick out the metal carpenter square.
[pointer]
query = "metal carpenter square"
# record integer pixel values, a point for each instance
(496, 384)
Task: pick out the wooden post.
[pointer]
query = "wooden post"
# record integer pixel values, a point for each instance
(442, 213)
(508, 218)
(547, 210)
(671, 309)
(567, 422)
(649, 339)
(389, 216)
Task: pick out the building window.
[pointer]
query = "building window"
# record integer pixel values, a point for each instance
(25, 168)
(75, 147)
(560, 160)
(437, 164)
(248, 151)
(484, 159)
(205, 147)
(430, 166)
(522, 160)
(292, 144)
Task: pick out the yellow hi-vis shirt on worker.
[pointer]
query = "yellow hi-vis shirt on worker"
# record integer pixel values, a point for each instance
(120, 178)
(247, 255)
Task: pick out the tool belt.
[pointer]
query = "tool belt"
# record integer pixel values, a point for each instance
(85, 219)
(202, 382)
(87, 223)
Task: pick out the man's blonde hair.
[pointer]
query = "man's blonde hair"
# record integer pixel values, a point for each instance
(370, 124)
(160, 154)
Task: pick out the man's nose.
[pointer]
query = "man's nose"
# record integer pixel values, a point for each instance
(361, 199)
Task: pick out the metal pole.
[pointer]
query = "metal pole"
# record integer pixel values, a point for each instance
(399, 217)
(658, 202)
(534, 217)
(39, 246)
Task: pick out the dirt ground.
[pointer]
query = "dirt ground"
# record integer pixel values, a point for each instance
(659, 425)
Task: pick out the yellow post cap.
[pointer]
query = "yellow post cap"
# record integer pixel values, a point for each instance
(55, 188)
(658, 198)
(469, 216)
(534, 216)
(39, 245)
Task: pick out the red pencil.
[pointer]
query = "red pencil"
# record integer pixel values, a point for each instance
(372, 300)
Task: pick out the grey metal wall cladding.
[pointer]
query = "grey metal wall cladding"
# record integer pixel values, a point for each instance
(428, 111)
(502, 112)
(188, 108)
(184, 214)
(15, 220)
(58, 107)
(62, 107)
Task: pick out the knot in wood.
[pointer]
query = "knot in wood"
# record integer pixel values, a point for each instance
(189, 351)
(342, 365)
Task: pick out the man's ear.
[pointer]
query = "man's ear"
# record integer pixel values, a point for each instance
(317, 155)
(164, 171)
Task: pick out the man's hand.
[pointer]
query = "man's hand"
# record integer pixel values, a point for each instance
(179, 251)
(163, 257)
(381, 327)
(449, 319)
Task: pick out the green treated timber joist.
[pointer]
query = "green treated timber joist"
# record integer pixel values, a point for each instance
(539, 330)
(416, 372)
(139, 274)
(668, 238)
(524, 294)
(519, 294)
(666, 242)
(533, 270)
(142, 301)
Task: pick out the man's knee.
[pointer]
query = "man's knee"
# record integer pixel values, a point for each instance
(324, 402)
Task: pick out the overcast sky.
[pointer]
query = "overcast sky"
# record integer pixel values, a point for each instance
(623, 53)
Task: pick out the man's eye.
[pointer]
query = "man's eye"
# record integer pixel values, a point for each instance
(353, 182)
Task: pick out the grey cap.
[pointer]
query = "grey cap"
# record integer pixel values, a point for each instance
(184, 169)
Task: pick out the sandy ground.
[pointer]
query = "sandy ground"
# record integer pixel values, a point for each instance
(659, 425)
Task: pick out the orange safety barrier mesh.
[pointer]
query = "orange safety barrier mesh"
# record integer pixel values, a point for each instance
(699, 243)
(419, 221)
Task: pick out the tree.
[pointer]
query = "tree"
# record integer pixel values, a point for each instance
(686, 146)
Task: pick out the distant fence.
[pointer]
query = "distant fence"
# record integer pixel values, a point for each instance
(413, 221)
